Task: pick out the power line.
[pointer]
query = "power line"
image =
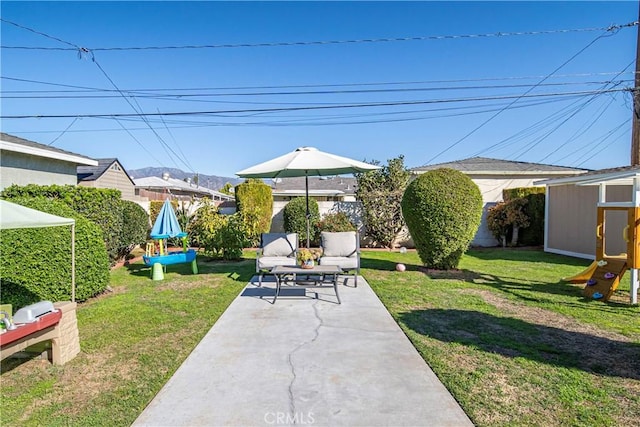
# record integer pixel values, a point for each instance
(177, 124)
(515, 100)
(317, 42)
(181, 96)
(84, 51)
(354, 84)
(320, 107)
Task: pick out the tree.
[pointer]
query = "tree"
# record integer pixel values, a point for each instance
(227, 189)
(380, 193)
(254, 201)
(442, 209)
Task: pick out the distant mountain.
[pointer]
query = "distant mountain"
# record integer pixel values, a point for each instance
(212, 182)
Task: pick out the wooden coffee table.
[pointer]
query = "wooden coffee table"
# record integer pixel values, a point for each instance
(315, 277)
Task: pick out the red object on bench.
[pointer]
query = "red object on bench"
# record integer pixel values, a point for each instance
(22, 330)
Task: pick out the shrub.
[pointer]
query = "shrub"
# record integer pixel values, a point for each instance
(100, 205)
(135, 227)
(219, 235)
(442, 209)
(335, 222)
(254, 202)
(533, 233)
(36, 262)
(295, 219)
(508, 218)
(498, 223)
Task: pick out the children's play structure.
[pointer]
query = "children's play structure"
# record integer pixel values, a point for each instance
(157, 255)
(603, 276)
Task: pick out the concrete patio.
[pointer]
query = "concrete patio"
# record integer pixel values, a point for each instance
(304, 361)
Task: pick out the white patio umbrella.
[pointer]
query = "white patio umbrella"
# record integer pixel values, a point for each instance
(306, 161)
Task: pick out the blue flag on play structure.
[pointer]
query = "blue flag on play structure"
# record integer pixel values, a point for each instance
(167, 224)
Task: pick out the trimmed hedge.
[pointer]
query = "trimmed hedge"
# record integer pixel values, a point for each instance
(295, 219)
(254, 203)
(135, 227)
(100, 205)
(36, 262)
(442, 209)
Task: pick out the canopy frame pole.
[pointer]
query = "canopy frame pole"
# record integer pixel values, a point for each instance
(306, 190)
(73, 262)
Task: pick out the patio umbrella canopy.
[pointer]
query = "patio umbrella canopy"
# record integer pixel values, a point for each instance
(306, 161)
(166, 224)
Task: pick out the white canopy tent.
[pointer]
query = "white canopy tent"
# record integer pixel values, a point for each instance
(17, 216)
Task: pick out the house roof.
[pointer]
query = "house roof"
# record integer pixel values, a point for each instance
(623, 175)
(489, 166)
(157, 183)
(91, 173)
(319, 186)
(19, 145)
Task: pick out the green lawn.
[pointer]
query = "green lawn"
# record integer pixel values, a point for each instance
(511, 342)
(514, 344)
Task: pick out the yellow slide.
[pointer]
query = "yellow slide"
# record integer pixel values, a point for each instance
(583, 276)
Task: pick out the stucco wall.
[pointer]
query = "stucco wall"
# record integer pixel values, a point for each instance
(23, 169)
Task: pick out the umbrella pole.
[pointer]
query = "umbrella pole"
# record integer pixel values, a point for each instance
(306, 188)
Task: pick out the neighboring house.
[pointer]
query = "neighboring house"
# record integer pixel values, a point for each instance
(571, 210)
(109, 173)
(494, 175)
(156, 188)
(24, 162)
(333, 194)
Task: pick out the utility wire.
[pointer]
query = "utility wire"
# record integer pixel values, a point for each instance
(82, 51)
(516, 99)
(321, 107)
(311, 43)
(182, 96)
(64, 131)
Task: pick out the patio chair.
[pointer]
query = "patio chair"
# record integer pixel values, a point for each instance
(275, 249)
(341, 249)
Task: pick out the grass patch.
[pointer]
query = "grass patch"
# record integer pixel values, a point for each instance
(513, 343)
(133, 339)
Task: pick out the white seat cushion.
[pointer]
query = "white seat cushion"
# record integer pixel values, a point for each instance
(346, 263)
(265, 263)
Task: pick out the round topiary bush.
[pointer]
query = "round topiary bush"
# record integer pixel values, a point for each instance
(442, 209)
(295, 218)
(36, 262)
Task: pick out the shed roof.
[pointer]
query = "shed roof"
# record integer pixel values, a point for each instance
(622, 175)
(489, 166)
(20, 145)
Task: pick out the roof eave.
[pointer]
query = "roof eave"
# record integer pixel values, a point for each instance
(34, 151)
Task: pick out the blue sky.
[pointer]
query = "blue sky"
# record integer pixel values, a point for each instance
(517, 97)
